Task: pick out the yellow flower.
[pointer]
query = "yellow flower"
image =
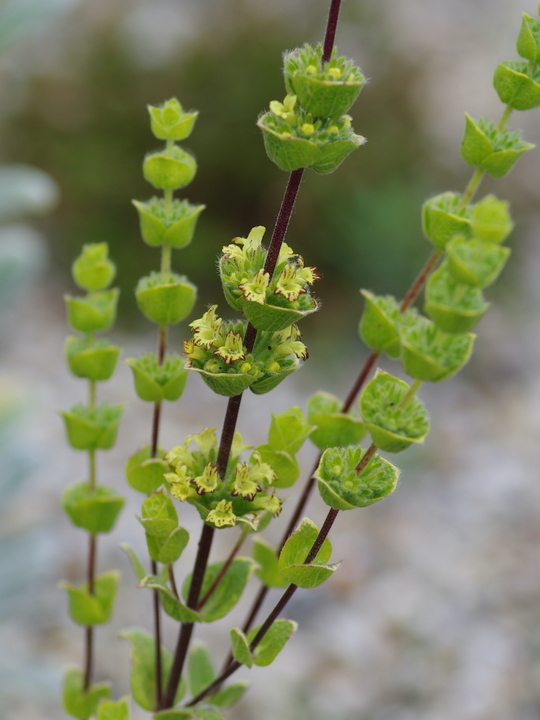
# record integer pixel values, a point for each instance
(255, 291)
(208, 481)
(193, 351)
(290, 344)
(179, 456)
(222, 514)
(289, 284)
(206, 329)
(244, 484)
(261, 472)
(232, 349)
(284, 110)
(180, 482)
(206, 440)
(285, 252)
(268, 502)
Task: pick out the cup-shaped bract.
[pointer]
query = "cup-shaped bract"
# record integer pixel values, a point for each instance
(92, 509)
(156, 381)
(430, 354)
(475, 262)
(161, 225)
(325, 89)
(343, 488)
(92, 359)
(494, 150)
(165, 298)
(169, 169)
(93, 270)
(170, 122)
(145, 473)
(92, 428)
(528, 42)
(393, 418)
(93, 608)
(518, 84)
(491, 219)
(380, 321)
(78, 701)
(333, 428)
(454, 306)
(94, 313)
(444, 216)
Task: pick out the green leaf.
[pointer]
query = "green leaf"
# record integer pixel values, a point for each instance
(91, 359)
(162, 225)
(140, 572)
(491, 220)
(201, 670)
(95, 510)
(110, 710)
(240, 648)
(476, 262)
(143, 658)
(156, 381)
(455, 307)
(299, 544)
(517, 84)
(268, 570)
(93, 313)
(528, 42)
(443, 216)
(197, 713)
(80, 703)
(165, 298)
(158, 515)
(170, 602)
(282, 463)
(86, 609)
(92, 428)
(332, 428)
(288, 430)
(144, 473)
(272, 642)
(230, 695)
(93, 270)
(169, 170)
(227, 593)
(168, 550)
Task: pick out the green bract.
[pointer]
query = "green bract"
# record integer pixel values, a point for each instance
(454, 306)
(486, 146)
(342, 488)
(293, 139)
(332, 427)
(92, 428)
(170, 122)
(145, 473)
(165, 298)
(393, 420)
(491, 220)
(155, 382)
(270, 304)
(93, 270)
(96, 311)
(95, 510)
(273, 641)
(284, 465)
(475, 262)
(94, 360)
(172, 226)
(326, 90)
(292, 565)
(380, 321)
(77, 701)
(528, 42)
(169, 169)
(268, 566)
(430, 354)
(94, 608)
(227, 593)
(444, 216)
(158, 515)
(518, 85)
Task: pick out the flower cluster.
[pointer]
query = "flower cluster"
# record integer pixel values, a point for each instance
(242, 495)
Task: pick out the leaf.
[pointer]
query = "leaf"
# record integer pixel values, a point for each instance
(282, 463)
(197, 713)
(240, 647)
(268, 570)
(298, 546)
(288, 430)
(201, 670)
(110, 710)
(168, 550)
(309, 576)
(144, 473)
(230, 695)
(140, 572)
(78, 702)
(93, 510)
(143, 658)
(228, 591)
(171, 604)
(86, 609)
(272, 642)
(158, 515)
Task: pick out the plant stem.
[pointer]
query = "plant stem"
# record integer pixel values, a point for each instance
(172, 580)
(157, 636)
(221, 574)
(411, 392)
(418, 284)
(331, 27)
(505, 117)
(365, 459)
(472, 187)
(89, 634)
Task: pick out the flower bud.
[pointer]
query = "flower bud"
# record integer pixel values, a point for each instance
(491, 220)
(326, 90)
(393, 424)
(170, 122)
(432, 355)
(155, 382)
(165, 298)
(528, 42)
(89, 359)
(491, 149)
(94, 510)
(95, 312)
(475, 262)
(518, 85)
(453, 306)
(169, 170)
(93, 270)
(443, 216)
(92, 428)
(162, 227)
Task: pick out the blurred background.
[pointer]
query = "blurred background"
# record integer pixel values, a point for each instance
(435, 614)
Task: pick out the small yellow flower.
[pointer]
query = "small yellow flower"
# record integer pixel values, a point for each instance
(208, 481)
(206, 440)
(284, 110)
(334, 72)
(222, 514)
(244, 484)
(179, 456)
(307, 129)
(180, 483)
(290, 344)
(285, 252)
(312, 69)
(308, 274)
(207, 328)
(232, 349)
(254, 239)
(255, 291)
(261, 472)
(268, 502)
(288, 283)
(238, 447)
(193, 351)
(233, 251)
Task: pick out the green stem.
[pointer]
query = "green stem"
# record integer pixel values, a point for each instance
(411, 392)
(165, 259)
(505, 117)
(472, 187)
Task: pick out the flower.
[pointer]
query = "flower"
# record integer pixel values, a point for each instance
(290, 344)
(289, 284)
(232, 349)
(206, 329)
(268, 502)
(244, 484)
(208, 481)
(255, 291)
(181, 488)
(222, 514)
